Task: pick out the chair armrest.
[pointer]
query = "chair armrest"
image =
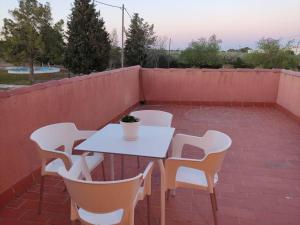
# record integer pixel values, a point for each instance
(172, 165)
(81, 135)
(174, 162)
(84, 134)
(53, 154)
(181, 139)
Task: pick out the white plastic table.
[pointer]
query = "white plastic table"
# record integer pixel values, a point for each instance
(152, 142)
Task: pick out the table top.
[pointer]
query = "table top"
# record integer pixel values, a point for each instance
(152, 141)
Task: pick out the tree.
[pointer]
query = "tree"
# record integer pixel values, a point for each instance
(115, 51)
(139, 39)
(157, 55)
(202, 53)
(2, 47)
(53, 43)
(21, 34)
(88, 45)
(271, 54)
(245, 49)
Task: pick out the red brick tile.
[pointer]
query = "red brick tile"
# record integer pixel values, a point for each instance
(16, 203)
(12, 222)
(30, 204)
(31, 216)
(12, 213)
(5, 197)
(31, 195)
(21, 186)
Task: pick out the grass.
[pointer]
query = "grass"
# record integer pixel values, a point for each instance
(22, 79)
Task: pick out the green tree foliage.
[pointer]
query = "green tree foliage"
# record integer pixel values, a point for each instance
(157, 54)
(245, 50)
(202, 53)
(270, 54)
(53, 43)
(234, 59)
(88, 46)
(2, 47)
(21, 34)
(139, 39)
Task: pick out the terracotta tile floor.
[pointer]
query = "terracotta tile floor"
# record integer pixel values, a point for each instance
(259, 182)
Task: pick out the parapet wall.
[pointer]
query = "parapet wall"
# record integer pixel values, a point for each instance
(89, 101)
(210, 85)
(289, 92)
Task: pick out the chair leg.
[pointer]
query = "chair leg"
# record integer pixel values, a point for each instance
(148, 209)
(215, 197)
(41, 194)
(212, 199)
(103, 171)
(138, 162)
(122, 167)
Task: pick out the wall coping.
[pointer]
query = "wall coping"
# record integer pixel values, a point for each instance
(290, 72)
(55, 83)
(220, 70)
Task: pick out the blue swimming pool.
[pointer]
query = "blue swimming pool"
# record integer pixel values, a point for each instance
(26, 70)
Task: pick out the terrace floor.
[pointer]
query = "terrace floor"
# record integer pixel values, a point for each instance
(259, 181)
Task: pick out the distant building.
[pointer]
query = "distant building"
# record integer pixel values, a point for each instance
(296, 50)
(256, 50)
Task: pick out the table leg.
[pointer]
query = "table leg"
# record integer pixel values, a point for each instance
(162, 192)
(112, 170)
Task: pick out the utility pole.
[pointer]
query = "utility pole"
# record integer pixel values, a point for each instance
(122, 50)
(123, 27)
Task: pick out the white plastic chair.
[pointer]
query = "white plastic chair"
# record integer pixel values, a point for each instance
(105, 203)
(152, 118)
(49, 138)
(197, 173)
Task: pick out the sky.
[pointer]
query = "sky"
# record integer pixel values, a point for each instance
(238, 23)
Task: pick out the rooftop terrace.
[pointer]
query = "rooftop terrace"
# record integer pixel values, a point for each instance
(259, 109)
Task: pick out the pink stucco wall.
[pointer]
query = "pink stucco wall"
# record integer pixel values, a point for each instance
(289, 92)
(210, 85)
(88, 101)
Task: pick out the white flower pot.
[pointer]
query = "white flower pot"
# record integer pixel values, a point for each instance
(130, 130)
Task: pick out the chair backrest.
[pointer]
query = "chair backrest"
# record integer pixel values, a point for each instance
(215, 141)
(103, 197)
(214, 144)
(153, 117)
(55, 135)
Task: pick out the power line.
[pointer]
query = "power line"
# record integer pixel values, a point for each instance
(123, 28)
(103, 3)
(128, 13)
(114, 6)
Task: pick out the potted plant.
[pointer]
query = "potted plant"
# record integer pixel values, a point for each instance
(130, 126)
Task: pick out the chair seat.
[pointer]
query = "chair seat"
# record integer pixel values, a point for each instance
(111, 218)
(92, 161)
(193, 177)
